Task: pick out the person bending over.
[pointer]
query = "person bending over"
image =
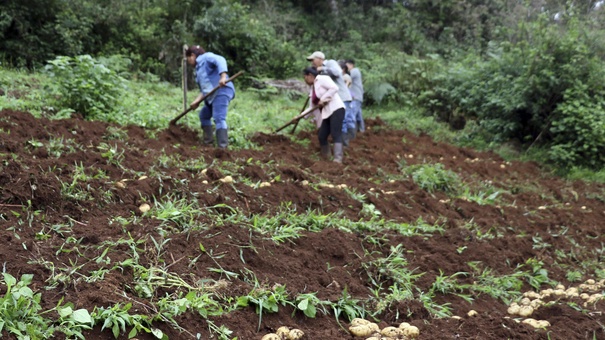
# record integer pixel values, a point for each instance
(330, 113)
(210, 72)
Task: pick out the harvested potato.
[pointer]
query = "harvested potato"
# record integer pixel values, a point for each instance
(531, 295)
(295, 334)
(526, 311)
(359, 322)
(472, 313)
(227, 179)
(374, 327)
(572, 292)
(271, 336)
(536, 323)
(530, 321)
(144, 207)
(525, 302)
(121, 185)
(283, 332)
(391, 332)
(535, 304)
(594, 298)
(546, 293)
(361, 330)
(513, 309)
(559, 292)
(404, 325)
(411, 332)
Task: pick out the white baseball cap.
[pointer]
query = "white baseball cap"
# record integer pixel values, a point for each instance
(316, 54)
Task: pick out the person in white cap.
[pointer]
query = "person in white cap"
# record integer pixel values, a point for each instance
(332, 68)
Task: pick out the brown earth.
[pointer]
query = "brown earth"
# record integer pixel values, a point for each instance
(44, 232)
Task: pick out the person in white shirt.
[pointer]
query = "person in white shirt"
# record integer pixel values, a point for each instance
(330, 113)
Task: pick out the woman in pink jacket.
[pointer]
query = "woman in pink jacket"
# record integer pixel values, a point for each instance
(330, 113)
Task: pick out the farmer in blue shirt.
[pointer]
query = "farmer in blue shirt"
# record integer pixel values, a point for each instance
(210, 72)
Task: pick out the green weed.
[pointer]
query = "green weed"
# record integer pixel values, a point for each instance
(433, 177)
(20, 310)
(265, 300)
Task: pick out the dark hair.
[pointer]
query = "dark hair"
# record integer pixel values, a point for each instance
(343, 66)
(350, 61)
(310, 70)
(197, 50)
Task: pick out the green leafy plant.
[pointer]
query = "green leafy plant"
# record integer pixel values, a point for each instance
(578, 128)
(349, 307)
(432, 177)
(265, 300)
(85, 85)
(309, 303)
(116, 318)
(72, 322)
(20, 310)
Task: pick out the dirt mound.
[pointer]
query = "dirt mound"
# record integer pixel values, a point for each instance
(71, 191)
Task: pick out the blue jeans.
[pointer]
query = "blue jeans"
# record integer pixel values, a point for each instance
(349, 122)
(356, 112)
(217, 109)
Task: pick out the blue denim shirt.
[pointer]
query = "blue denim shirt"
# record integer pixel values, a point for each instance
(208, 69)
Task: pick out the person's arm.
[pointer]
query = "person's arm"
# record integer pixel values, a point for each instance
(347, 79)
(331, 69)
(194, 104)
(220, 64)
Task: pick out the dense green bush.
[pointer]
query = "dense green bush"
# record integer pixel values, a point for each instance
(547, 90)
(227, 28)
(85, 85)
(578, 131)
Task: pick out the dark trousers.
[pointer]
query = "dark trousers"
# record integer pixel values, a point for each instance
(331, 126)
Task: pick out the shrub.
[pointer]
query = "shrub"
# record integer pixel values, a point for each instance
(578, 131)
(228, 28)
(85, 85)
(546, 89)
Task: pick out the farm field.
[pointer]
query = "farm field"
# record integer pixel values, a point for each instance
(155, 235)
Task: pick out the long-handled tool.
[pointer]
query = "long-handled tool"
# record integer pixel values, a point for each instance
(297, 118)
(176, 119)
(303, 109)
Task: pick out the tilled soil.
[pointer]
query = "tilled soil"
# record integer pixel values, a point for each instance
(52, 221)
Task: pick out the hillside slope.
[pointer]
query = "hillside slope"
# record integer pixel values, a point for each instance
(71, 192)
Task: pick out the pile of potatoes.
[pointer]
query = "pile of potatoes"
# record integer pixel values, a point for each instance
(370, 330)
(532, 301)
(285, 333)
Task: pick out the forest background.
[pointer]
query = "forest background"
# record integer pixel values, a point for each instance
(522, 71)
